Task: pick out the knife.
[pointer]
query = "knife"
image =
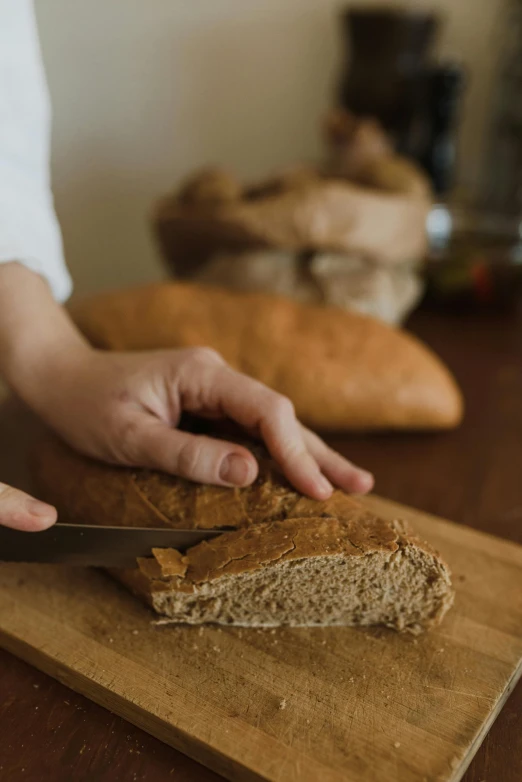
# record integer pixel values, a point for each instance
(94, 546)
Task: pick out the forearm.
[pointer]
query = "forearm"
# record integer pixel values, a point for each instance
(37, 337)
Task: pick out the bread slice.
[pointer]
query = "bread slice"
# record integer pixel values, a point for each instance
(342, 371)
(287, 559)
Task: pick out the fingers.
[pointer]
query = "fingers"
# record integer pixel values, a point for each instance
(20, 511)
(207, 386)
(308, 463)
(338, 469)
(196, 457)
(256, 407)
(283, 437)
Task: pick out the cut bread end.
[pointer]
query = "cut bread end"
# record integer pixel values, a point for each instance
(230, 581)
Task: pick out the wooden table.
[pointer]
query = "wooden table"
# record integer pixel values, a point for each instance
(473, 476)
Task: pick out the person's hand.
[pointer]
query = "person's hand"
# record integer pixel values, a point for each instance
(21, 511)
(123, 408)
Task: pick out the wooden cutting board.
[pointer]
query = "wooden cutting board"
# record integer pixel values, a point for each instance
(294, 704)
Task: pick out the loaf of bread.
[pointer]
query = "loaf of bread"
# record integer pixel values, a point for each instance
(342, 371)
(287, 559)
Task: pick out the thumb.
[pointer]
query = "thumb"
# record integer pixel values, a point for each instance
(196, 457)
(21, 511)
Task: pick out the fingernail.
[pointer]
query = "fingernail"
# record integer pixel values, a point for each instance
(235, 470)
(324, 486)
(41, 509)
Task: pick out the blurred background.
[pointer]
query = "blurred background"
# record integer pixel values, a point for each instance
(144, 93)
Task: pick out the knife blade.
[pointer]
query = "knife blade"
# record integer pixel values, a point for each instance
(88, 545)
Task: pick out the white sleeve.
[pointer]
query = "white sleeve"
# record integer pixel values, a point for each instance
(29, 230)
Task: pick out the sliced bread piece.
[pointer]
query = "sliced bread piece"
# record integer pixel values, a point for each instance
(287, 559)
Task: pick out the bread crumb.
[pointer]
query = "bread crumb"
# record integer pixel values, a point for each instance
(282, 704)
(195, 647)
(397, 744)
(216, 649)
(135, 632)
(111, 640)
(272, 632)
(36, 686)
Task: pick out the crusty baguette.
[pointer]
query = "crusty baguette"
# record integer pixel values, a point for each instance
(342, 370)
(288, 560)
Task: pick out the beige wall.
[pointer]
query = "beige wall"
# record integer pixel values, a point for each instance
(146, 90)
